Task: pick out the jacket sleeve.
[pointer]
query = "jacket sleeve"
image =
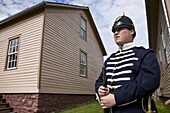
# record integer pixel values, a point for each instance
(146, 82)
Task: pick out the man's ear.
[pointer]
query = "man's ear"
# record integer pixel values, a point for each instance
(132, 31)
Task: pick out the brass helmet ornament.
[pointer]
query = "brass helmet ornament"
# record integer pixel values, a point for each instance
(123, 22)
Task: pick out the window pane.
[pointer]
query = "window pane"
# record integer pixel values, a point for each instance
(82, 70)
(81, 34)
(16, 57)
(16, 48)
(15, 63)
(9, 65)
(14, 42)
(13, 49)
(81, 22)
(13, 57)
(84, 34)
(10, 57)
(10, 50)
(12, 64)
(82, 58)
(83, 25)
(11, 43)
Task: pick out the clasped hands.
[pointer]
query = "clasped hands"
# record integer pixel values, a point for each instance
(107, 99)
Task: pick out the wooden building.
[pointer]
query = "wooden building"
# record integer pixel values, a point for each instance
(158, 18)
(50, 56)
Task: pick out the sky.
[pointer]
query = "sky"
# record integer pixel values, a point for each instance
(104, 13)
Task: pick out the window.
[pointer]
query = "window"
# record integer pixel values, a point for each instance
(12, 53)
(83, 64)
(83, 28)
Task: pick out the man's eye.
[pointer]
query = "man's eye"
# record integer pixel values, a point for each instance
(118, 29)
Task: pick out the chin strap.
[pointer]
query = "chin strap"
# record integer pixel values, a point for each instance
(149, 105)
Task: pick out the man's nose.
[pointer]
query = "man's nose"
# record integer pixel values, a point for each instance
(116, 33)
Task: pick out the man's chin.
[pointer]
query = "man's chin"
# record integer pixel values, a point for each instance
(119, 43)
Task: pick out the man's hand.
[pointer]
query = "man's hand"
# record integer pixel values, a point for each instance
(108, 101)
(103, 91)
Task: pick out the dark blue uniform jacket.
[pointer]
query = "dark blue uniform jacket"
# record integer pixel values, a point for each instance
(132, 74)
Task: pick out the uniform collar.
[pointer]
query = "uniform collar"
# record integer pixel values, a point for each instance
(126, 46)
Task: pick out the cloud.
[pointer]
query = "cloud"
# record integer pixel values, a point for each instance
(11, 7)
(104, 12)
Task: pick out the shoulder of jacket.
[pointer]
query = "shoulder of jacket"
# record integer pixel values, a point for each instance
(143, 49)
(142, 52)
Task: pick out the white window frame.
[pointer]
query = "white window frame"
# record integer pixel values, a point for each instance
(12, 55)
(83, 64)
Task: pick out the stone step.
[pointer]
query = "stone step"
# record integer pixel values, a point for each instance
(2, 100)
(5, 110)
(4, 105)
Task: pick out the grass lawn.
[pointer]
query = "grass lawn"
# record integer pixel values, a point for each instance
(94, 107)
(161, 107)
(90, 107)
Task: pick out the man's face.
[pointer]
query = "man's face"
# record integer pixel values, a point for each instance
(123, 35)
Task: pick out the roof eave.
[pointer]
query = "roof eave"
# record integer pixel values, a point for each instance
(152, 12)
(27, 10)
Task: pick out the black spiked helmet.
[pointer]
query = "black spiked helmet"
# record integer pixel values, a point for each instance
(123, 22)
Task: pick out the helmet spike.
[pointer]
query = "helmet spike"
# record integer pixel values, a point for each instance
(123, 13)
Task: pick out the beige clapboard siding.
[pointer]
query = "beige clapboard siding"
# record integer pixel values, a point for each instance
(165, 78)
(157, 27)
(24, 78)
(60, 76)
(70, 31)
(165, 82)
(165, 69)
(61, 50)
(14, 80)
(2, 52)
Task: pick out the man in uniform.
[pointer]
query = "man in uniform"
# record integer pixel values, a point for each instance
(132, 74)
